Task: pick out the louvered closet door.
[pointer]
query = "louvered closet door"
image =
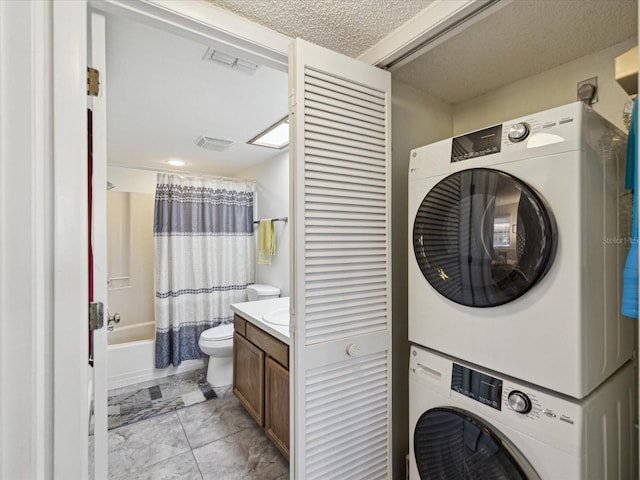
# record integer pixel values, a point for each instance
(341, 300)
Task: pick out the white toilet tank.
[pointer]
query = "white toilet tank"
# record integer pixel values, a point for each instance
(262, 292)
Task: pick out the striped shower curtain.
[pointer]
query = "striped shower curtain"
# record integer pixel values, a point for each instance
(204, 259)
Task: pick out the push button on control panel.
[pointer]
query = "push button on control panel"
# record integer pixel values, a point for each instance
(549, 413)
(564, 418)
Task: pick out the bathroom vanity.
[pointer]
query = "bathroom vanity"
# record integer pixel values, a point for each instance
(261, 367)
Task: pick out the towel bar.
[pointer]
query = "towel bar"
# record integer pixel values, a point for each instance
(283, 219)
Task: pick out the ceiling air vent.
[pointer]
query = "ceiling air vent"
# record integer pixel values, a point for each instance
(210, 143)
(229, 61)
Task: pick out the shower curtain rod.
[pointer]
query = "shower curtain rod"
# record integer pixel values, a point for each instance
(187, 173)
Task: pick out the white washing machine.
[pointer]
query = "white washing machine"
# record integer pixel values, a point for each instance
(517, 248)
(468, 423)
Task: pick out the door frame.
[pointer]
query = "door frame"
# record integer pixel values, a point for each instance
(69, 230)
(195, 20)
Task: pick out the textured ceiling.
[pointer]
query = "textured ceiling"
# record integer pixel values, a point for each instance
(346, 26)
(522, 39)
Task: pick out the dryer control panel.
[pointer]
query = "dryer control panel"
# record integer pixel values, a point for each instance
(476, 385)
(476, 144)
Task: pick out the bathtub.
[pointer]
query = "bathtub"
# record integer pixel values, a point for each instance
(131, 353)
(132, 333)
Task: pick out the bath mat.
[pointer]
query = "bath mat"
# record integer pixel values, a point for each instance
(131, 404)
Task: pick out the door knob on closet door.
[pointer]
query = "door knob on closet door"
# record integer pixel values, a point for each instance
(353, 350)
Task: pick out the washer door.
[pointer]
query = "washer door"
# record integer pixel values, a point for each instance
(483, 237)
(451, 444)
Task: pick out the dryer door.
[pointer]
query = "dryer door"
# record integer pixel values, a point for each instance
(452, 444)
(482, 237)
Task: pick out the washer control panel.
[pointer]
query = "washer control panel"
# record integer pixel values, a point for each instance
(476, 385)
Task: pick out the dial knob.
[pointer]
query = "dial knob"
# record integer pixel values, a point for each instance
(519, 402)
(518, 132)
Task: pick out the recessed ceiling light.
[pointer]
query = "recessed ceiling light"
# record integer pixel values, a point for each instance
(176, 162)
(276, 136)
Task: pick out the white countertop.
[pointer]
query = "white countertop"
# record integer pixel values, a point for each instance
(253, 312)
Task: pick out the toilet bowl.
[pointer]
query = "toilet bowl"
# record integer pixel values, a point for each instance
(217, 342)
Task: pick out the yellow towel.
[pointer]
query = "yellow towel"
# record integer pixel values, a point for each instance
(266, 242)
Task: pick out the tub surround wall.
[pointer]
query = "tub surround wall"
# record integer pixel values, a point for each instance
(131, 253)
(272, 201)
(132, 179)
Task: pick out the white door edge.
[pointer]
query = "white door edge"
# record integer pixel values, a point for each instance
(70, 237)
(99, 244)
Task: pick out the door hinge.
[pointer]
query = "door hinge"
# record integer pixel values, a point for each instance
(93, 82)
(96, 315)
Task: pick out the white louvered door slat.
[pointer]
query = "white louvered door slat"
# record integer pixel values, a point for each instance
(336, 84)
(341, 299)
(346, 115)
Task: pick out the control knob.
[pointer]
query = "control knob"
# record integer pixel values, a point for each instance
(519, 402)
(518, 132)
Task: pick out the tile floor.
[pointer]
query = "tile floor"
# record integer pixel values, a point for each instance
(216, 439)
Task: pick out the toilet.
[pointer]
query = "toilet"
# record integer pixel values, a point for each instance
(217, 342)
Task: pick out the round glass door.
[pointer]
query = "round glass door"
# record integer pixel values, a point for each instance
(483, 238)
(450, 444)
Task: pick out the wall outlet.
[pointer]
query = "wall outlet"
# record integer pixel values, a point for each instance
(587, 91)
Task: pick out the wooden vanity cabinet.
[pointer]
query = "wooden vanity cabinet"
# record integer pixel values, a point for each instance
(261, 380)
(248, 376)
(276, 419)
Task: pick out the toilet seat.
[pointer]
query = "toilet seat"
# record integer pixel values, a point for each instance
(218, 334)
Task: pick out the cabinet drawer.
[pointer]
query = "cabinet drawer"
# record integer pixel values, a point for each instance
(239, 325)
(272, 347)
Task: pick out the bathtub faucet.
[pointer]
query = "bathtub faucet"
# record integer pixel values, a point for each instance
(112, 320)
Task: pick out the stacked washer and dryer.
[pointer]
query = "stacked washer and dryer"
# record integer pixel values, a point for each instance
(520, 364)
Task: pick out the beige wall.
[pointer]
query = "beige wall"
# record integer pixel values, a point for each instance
(546, 90)
(132, 179)
(130, 256)
(272, 201)
(417, 119)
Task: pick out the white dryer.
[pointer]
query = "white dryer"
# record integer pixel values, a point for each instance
(468, 423)
(517, 246)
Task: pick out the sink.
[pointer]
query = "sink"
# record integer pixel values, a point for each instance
(279, 316)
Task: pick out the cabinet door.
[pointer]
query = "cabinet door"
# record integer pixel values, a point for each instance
(277, 405)
(248, 377)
